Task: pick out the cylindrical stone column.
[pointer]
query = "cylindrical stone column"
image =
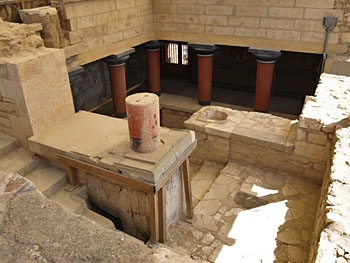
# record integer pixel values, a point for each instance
(143, 121)
(264, 77)
(205, 57)
(116, 67)
(153, 66)
(205, 76)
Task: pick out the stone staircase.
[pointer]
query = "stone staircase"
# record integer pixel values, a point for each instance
(49, 180)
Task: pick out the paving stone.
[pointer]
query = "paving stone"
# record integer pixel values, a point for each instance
(208, 239)
(249, 201)
(288, 237)
(219, 210)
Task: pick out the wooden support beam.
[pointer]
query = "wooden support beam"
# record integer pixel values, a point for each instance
(188, 189)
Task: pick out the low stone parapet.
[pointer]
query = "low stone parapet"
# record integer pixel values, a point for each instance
(300, 147)
(331, 237)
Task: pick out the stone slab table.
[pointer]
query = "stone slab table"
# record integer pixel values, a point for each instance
(100, 146)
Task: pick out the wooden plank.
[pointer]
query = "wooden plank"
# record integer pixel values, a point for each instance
(72, 178)
(188, 189)
(107, 174)
(162, 214)
(175, 166)
(154, 217)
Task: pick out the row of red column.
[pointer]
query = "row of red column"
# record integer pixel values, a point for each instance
(116, 68)
(205, 54)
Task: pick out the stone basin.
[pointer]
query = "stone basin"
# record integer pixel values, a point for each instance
(213, 115)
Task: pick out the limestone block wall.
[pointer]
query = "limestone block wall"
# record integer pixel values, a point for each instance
(287, 25)
(132, 206)
(104, 27)
(34, 86)
(330, 240)
(300, 147)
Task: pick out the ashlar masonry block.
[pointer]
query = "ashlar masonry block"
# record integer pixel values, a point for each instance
(311, 151)
(77, 9)
(219, 10)
(285, 12)
(41, 99)
(315, 3)
(213, 20)
(257, 11)
(244, 2)
(122, 4)
(276, 3)
(317, 138)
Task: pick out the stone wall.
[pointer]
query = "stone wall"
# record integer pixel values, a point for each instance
(300, 147)
(331, 237)
(101, 28)
(132, 206)
(287, 25)
(34, 86)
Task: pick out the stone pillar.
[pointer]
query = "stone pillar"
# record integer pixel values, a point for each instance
(116, 67)
(48, 17)
(153, 65)
(143, 121)
(205, 55)
(264, 76)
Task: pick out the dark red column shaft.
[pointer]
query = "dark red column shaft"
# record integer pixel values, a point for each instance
(205, 75)
(153, 64)
(118, 86)
(264, 77)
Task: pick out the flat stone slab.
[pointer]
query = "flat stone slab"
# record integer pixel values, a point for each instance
(104, 141)
(36, 229)
(266, 129)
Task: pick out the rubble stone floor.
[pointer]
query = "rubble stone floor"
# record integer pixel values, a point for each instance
(247, 214)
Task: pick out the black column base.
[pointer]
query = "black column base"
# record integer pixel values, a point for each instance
(204, 103)
(120, 115)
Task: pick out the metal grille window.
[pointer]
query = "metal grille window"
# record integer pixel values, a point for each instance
(173, 53)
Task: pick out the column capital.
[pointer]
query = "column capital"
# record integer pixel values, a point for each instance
(153, 45)
(118, 59)
(204, 49)
(265, 56)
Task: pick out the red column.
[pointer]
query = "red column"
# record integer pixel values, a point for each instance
(264, 77)
(205, 57)
(153, 66)
(205, 76)
(118, 86)
(116, 68)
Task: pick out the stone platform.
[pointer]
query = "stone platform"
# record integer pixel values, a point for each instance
(144, 190)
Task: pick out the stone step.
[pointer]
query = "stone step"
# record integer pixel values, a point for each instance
(7, 143)
(18, 161)
(203, 179)
(64, 198)
(48, 179)
(103, 221)
(75, 201)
